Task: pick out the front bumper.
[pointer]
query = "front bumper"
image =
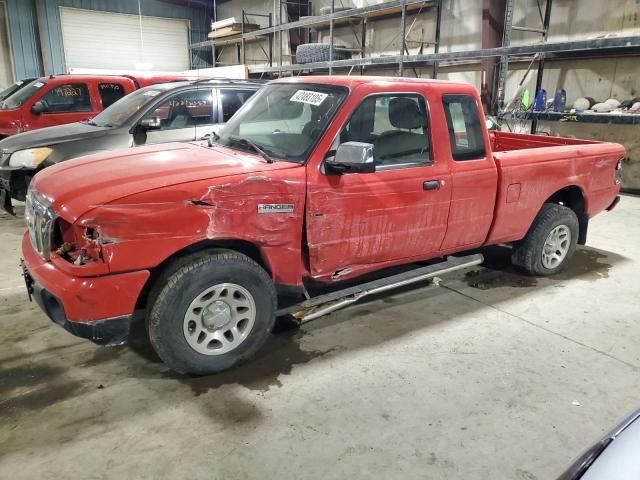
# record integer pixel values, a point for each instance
(13, 184)
(97, 308)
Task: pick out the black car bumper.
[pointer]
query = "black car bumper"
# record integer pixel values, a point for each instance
(13, 184)
(110, 331)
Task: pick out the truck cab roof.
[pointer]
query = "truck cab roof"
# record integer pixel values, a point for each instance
(349, 81)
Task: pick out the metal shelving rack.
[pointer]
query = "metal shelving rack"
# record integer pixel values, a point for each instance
(539, 52)
(362, 15)
(580, 49)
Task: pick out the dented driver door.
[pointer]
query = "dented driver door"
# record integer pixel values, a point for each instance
(362, 221)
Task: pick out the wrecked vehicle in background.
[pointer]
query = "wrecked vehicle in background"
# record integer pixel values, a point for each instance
(167, 112)
(315, 179)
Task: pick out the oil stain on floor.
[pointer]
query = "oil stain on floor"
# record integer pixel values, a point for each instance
(586, 264)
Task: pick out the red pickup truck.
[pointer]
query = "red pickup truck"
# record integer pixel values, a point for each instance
(314, 180)
(60, 99)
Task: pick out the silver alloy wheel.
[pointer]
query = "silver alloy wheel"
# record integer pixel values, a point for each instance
(219, 319)
(556, 247)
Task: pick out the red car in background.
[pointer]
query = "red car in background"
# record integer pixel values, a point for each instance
(60, 99)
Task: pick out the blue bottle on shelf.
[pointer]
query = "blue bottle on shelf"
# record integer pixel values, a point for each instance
(540, 103)
(560, 100)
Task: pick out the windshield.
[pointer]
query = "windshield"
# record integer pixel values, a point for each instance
(22, 95)
(285, 120)
(118, 113)
(9, 90)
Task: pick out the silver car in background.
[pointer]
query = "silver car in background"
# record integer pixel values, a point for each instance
(615, 457)
(161, 113)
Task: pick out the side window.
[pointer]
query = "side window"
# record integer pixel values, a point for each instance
(465, 129)
(71, 97)
(231, 100)
(110, 93)
(185, 109)
(396, 125)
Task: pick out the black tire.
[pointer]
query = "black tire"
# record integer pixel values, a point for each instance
(185, 281)
(319, 52)
(527, 254)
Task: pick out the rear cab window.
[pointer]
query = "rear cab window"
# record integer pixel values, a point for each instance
(110, 93)
(67, 98)
(465, 127)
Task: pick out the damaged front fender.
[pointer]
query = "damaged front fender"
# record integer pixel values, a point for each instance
(146, 229)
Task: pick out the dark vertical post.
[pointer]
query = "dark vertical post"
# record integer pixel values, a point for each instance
(403, 28)
(213, 47)
(436, 47)
(547, 20)
(280, 35)
(271, 40)
(363, 48)
(242, 36)
(331, 38)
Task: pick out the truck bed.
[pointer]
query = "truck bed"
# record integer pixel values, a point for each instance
(507, 141)
(532, 168)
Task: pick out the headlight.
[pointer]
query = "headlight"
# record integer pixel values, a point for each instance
(40, 219)
(29, 158)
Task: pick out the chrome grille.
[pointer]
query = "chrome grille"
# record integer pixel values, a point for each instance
(40, 219)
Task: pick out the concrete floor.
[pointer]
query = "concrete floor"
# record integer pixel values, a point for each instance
(493, 376)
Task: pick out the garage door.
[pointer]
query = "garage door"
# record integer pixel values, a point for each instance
(95, 39)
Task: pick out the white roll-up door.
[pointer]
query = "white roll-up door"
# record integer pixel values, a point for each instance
(94, 39)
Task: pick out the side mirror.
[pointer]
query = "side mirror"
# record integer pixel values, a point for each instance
(38, 108)
(150, 123)
(352, 157)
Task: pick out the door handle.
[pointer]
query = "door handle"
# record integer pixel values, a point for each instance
(431, 185)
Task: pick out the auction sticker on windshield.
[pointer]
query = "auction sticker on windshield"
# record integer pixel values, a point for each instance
(306, 96)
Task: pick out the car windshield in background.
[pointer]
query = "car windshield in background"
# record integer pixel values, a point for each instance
(117, 114)
(22, 95)
(14, 87)
(284, 119)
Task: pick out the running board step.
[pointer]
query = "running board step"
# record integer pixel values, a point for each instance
(323, 304)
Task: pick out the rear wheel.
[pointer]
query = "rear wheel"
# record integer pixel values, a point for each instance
(211, 312)
(550, 242)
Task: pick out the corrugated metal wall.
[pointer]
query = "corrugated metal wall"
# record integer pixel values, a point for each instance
(25, 50)
(24, 32)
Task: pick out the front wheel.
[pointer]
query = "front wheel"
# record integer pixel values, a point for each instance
(550, 242)
(212, 312)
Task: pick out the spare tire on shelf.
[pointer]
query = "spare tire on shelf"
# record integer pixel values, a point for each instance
(319, 52)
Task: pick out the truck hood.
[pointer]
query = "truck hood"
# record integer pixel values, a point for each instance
(76, 186)
(51, 136)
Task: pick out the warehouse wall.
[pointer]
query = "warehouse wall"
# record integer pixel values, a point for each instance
(461, 30)
(25, 49)
(6, 67)
(25, 31)
(254, 54)
(600, 78)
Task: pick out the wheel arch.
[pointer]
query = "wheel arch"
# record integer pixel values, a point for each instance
(572, 196)
(245, 247)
